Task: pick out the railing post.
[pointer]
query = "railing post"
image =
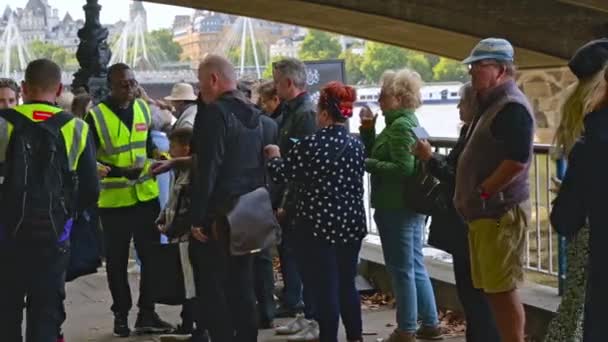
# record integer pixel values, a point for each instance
(562, 244)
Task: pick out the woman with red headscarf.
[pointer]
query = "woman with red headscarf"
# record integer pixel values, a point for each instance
(330, 217)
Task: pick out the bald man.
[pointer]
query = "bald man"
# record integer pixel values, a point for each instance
(227, 147)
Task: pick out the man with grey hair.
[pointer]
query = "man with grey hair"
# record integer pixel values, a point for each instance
(492, 190)
(296, 121)
(227, 163)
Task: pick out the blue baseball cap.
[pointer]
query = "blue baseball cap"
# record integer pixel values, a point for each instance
(491, 48)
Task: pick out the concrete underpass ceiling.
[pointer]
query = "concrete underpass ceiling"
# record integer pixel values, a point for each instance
(544, 32)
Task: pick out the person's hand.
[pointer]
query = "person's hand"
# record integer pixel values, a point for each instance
(103, 170)
(367, 117)
(556, 185)
(161, 166)
(197, 233)
(162, 228)
(423, 150)
(272, 151)
(281, 215)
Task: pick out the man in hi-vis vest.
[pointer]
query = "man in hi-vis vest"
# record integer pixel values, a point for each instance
(128, 202)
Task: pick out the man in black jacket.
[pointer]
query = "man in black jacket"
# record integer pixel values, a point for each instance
(227, 163)
(297, 120)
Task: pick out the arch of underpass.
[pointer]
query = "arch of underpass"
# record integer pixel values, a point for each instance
(544, 32)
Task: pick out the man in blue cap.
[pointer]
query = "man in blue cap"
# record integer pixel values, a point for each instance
(492, 190)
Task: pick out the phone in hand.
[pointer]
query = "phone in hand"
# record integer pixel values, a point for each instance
(420, 133)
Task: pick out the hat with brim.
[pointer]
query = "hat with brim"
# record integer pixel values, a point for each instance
(589, 59)
(491, 48)
(182, 92)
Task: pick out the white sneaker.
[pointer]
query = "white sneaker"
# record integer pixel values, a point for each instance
(293, 327)
(310, 333)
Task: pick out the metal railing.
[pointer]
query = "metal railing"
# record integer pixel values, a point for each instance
(543, 248)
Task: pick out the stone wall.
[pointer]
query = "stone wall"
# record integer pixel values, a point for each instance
(546, 90)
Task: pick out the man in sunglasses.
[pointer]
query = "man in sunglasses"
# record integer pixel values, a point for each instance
(492, 189)
(128, 201)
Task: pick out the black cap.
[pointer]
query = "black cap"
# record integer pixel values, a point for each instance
(590, 58)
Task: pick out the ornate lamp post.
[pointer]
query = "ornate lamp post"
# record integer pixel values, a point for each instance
(93, 53)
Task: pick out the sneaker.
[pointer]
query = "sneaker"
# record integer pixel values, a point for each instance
(150, 323)
(293, 327)
(400, 336)
(121, 325)
(310, 333)
(426, 332)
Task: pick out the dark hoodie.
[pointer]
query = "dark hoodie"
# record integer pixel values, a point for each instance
(581, 199)
(227, 149)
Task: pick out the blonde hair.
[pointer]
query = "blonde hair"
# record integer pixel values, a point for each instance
(65, 100)
(405, 84)
(582, 97)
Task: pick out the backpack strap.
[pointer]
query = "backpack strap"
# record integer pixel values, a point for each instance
(55, 122)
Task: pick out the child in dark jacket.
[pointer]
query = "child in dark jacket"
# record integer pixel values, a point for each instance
(174, 222)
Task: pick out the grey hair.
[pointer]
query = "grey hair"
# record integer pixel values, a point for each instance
(468, 97)
(293, 69)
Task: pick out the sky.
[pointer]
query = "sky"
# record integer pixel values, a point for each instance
(159, 16)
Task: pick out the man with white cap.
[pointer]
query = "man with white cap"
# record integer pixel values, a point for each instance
(184, 100)
(492, 189)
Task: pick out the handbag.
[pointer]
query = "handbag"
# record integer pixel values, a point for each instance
(165, 282)
(252, 222)
(422, 192)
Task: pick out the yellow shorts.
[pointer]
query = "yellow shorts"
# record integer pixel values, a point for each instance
(497, 250)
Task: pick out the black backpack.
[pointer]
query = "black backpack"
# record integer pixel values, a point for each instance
(37, 188)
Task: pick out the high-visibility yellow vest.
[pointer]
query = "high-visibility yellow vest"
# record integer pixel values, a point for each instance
(74, 132)
(122, 147)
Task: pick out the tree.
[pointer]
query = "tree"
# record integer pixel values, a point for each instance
(417, 61)
(352, 63)
(378, 57)
(56, 53)
(161, 43)
(450, 70)
(319, 45)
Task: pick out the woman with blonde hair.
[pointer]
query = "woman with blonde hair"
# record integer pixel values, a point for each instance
(579, 211)
(391, 164)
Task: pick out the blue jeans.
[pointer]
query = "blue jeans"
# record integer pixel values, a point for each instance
(335, 269)
(401, 235)
(38, 274)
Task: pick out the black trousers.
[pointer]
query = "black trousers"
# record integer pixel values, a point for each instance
(120, 225)
(481, 326)
(37, 274)
(263, 273)
(224, 289)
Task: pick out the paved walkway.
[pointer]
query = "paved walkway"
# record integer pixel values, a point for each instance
(89, 318)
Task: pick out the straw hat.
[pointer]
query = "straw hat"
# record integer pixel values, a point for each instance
(182, 92)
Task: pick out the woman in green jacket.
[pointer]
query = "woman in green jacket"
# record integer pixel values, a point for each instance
(390, 163)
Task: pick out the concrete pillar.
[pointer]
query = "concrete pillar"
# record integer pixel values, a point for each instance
(545, 89)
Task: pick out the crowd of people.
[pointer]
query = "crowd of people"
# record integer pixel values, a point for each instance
(171, 172)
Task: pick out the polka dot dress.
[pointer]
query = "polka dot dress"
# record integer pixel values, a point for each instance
(328, 167)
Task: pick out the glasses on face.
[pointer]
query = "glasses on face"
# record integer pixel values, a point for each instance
(481, 64)
(128, 84)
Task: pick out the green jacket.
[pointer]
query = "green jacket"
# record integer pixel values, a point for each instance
(389, 160)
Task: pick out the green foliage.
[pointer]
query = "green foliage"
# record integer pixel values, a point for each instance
(58, 54)
(378, 57)
(417, 61)
(450, 70)
(319, 45)
(161, 43)
(354, 74)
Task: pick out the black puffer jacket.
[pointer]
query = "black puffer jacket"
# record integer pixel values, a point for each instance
(581, 199)
(228, 155)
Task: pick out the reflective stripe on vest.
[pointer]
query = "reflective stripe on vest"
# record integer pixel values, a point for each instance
(74, 132)
(124, 147)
